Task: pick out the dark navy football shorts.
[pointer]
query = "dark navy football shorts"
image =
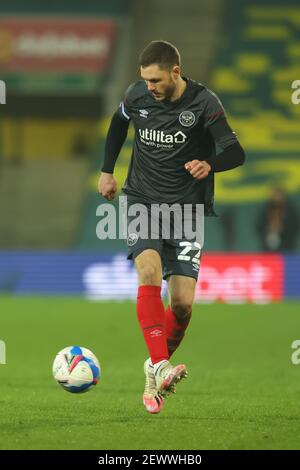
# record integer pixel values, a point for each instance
(180, 254)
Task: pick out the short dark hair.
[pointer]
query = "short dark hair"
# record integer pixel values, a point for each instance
(162, 53)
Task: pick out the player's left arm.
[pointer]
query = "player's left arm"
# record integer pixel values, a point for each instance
(232, 154)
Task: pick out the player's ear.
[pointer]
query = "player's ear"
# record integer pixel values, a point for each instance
(176, 71)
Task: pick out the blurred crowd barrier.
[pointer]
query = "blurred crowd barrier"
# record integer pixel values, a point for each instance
(234, 278)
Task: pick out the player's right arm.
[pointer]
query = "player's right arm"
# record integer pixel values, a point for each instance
(117, 133)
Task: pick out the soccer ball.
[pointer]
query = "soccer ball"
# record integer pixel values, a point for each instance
(76, 369)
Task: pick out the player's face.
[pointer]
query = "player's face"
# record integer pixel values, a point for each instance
(161, 83)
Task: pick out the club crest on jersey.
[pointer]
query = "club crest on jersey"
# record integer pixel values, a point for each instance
(187, 118)
(143, 113)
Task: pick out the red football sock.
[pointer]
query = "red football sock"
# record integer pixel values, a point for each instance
(174, 330)
(151, 316)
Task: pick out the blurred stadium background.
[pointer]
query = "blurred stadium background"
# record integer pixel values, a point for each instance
(66, 66)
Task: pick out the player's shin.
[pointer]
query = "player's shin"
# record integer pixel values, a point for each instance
(151, 316)
(175, 330)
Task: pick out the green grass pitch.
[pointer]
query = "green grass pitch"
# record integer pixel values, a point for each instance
(242, 392)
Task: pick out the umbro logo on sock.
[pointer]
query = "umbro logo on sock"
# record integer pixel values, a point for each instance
(155, 333)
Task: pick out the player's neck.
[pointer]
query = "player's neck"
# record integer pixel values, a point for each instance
(179, 90)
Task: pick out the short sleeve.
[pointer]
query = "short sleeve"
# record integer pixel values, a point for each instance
(214, 109)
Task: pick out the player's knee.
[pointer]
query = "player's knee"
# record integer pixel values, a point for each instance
(182, 310)
(149, 275)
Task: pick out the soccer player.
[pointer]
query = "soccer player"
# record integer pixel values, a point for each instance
(178, 123)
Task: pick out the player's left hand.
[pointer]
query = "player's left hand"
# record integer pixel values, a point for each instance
(198, 169)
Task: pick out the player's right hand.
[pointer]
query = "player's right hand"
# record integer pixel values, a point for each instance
(107, 186)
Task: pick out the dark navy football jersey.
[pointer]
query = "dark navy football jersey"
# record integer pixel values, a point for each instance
(167, 135)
